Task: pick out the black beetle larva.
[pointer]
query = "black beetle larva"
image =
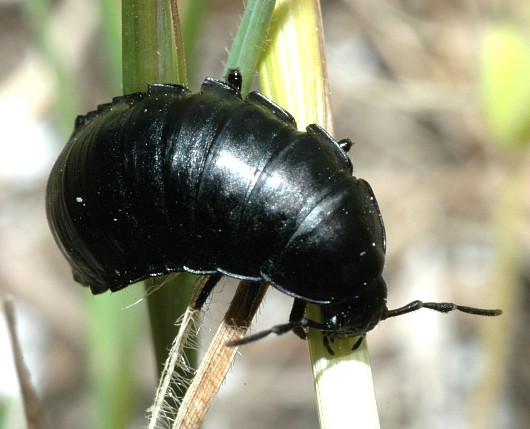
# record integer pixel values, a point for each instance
(210, 183)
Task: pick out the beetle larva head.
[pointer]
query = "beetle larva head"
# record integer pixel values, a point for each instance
(359, 314)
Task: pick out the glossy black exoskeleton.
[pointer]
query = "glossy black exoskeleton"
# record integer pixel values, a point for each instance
(210, 183)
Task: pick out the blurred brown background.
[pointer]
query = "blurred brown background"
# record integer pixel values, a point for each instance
(404, 82)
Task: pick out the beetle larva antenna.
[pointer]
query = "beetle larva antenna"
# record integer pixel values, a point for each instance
(442, 307)
(279, 330)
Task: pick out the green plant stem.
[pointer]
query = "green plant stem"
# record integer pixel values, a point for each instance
(250, 40)
(293, 74)
(153, 52)
(152, 45)
(346, 370)
(165, 305)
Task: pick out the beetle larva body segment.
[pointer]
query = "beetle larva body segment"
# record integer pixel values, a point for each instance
(170, 180)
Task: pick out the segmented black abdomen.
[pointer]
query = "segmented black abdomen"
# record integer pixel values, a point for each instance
(168, 181)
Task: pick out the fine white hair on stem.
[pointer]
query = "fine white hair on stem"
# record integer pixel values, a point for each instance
(163, 410)
(152, 289)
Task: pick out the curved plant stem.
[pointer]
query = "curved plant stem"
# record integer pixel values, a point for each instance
(293, 73)
(250, 40)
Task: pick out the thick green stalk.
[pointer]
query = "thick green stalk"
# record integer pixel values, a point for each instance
(152, 44)
(153, 52)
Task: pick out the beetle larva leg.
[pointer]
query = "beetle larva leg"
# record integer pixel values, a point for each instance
(297, 313)
(302, 323)
(358, 342)
(250, 299)
(206, 290)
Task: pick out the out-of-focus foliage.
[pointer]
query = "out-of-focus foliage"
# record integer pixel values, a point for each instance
(505, 84)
